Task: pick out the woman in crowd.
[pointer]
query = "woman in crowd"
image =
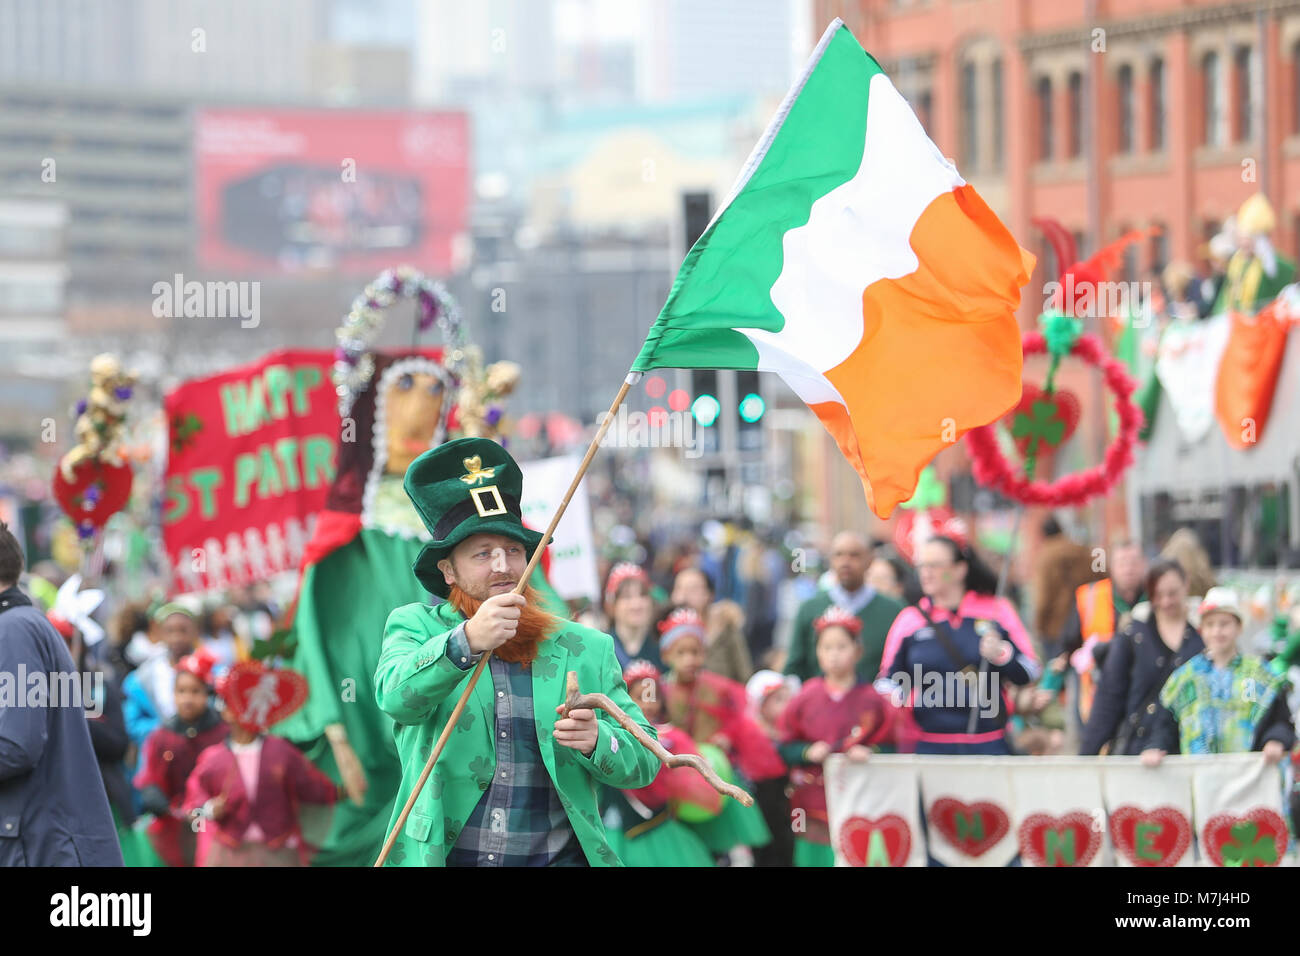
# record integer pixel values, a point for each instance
(1222, 701)
(1126, 709)
(962, 644)
(631, 614)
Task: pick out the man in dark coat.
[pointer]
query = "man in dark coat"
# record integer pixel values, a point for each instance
(49, 815)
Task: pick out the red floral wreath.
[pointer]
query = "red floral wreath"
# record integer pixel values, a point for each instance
(991, 468)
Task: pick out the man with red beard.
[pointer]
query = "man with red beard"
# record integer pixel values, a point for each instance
(516, 783)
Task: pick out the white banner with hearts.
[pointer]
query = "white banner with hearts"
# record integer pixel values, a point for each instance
(1149, 812)
(1059, 816)
(874, 813)
(968, 811)
(1240, 819)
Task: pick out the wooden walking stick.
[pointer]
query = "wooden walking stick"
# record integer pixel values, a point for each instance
(599, 701)
(632, 379)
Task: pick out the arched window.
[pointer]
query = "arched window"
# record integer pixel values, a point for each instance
(1074, 142)
(1124, 108)
(1212, 99)
(969, 118)
(1156, 102)
(997, 113)
(1044, 96)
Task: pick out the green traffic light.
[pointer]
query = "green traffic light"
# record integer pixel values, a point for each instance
(752, 407)
(706, 409)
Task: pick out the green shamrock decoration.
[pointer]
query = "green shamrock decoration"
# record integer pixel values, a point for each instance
(609, 856)
(1248, 848)
(281, 643)
(397, 854)
(414, 701)
(606, 765)
(437, 785)
(481, 769)
(571, 643)
(465, 723)
(546, 667)
(184, 430)
(1042, 425)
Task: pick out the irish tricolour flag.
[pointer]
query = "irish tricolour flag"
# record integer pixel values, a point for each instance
(852, 259)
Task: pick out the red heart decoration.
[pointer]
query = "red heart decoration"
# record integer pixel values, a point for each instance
(113, 483)
(855, 838)
(1067, 409)
(257, 705)
(1165, 846)
(1218, 831)
(1076, 830)
(987, 819)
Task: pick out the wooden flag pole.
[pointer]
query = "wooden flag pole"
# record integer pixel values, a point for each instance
(632, 379)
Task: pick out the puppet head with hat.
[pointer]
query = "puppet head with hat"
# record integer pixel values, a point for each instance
(467, 493)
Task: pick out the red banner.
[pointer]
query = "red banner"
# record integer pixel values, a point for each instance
(252, 453)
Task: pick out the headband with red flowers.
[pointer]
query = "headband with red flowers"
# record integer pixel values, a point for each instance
(200, 664)
(681, 621)
(639, 670)
(624, 571)
(836, 616)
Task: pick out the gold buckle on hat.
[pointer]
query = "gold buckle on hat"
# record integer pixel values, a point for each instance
(479, 493)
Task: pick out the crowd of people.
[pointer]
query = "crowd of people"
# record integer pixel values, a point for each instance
(1139, 659)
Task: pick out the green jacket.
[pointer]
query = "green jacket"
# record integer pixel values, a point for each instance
(418, 686)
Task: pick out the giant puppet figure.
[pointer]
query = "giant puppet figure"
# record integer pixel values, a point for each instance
(357, 567)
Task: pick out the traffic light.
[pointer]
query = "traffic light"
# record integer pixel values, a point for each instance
(704, 397)
(749, 411)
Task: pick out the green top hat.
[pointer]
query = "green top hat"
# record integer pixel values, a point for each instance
(461, 488)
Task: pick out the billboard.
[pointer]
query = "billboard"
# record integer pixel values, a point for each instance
(284, 191)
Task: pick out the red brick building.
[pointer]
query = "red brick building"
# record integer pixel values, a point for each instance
(1103, 114)
(1106, 115)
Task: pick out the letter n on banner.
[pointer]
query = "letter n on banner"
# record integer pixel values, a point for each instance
(876, 823)
(1059, 817)
(968, 811)
(1239, 817)
(1150, 812)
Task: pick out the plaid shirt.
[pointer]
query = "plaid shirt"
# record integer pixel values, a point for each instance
(1218, 711)
(519, 821)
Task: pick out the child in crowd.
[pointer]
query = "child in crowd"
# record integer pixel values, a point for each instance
(249, 789)
(651, 832)
(714, 712)
(170, 754)
(1222, 701)
(769, 691)
(830, 714)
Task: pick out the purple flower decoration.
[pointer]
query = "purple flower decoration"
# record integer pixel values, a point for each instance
(123, 392)
(493, 415)
(92, 494)
(85, 530)
(81, 407)
(428, 310)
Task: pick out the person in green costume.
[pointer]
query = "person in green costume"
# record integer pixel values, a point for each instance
(516, 783)
(357, 568)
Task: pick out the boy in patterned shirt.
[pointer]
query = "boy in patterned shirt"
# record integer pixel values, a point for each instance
(1222, 701)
